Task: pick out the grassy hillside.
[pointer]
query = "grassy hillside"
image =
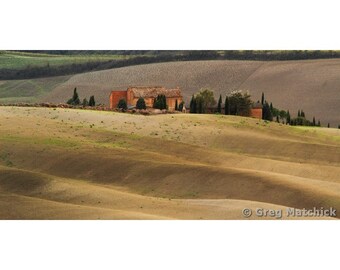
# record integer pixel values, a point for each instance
(58, 163)
(30, 91)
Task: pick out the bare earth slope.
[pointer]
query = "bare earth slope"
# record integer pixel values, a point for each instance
(311, 85)
(76, 164)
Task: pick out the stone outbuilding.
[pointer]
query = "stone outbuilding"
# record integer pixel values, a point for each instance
(256, 110)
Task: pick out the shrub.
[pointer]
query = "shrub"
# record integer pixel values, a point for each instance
(122, 104)
(85, 102)
(140, 105)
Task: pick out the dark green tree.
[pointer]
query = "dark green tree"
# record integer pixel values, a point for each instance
(319, 123)
(271, 107)
(193, 104)
(328, 125)
(303, 114)
(75, 99)
(313, 122)
(122, 104)
(226, 106)
(266, 113)
(85, 102)
(219, 105)
(288, 118)
(262, 99)
(199, 104)
(205, 99)
(277, 119)
(140, 105)
(176, 106)
(92, 102)
(239, 103)
(160, 102)
(180, 106)
(299, 113)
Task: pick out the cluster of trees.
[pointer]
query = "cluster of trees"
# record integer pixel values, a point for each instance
(271, 113)
(160, 102)
(202, 101)
(301, 120)
(76, 101)
(237, 103)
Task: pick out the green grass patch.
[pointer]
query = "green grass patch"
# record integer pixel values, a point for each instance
(4, 156)
(40, 141)
(21, 60)
(28, 90)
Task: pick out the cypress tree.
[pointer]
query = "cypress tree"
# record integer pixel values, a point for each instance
(313, 121)
(193, 105)
(219, 105)
(288, 117)
(319, 123)
(338, 126)
(76, 100)
(299, 114)
(303, 114)
(262, 99)
(92, 102)
(180, 106)
(271, 107)
(176, 105)
(226, 106)
(199, 105)
(85, 102)
(328, 125)
(277, 119)
(164, 106)
(267, 114)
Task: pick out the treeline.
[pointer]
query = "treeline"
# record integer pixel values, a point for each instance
(203, 54)
(148, 57)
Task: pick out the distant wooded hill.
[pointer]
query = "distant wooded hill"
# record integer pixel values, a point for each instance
(29, 64)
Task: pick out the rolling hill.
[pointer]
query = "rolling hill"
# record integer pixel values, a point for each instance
(77, 164)
(311, 85)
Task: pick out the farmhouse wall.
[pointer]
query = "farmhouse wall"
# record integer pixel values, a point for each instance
(115, 97)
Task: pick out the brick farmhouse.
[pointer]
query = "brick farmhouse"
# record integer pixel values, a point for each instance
(149, 93)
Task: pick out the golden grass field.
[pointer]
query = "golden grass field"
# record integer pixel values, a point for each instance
(79, 164)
